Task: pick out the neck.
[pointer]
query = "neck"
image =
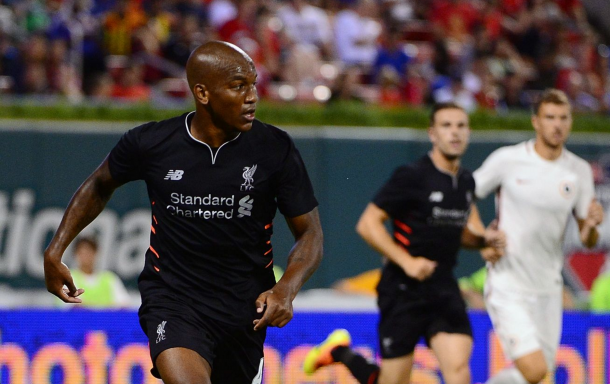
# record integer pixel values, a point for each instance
(443, 163)
(545, 151)
(203, 129)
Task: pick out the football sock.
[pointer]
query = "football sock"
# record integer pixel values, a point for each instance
(508, 376)
(363, 370)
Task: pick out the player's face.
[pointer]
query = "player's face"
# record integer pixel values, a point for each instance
(233, 97)
(553, 124)
(450, 132)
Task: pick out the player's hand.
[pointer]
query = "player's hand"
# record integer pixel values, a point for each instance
(494, 237)
(492, 254)
(419, 267)
(276, 307)
(595, 216)
(59, 281)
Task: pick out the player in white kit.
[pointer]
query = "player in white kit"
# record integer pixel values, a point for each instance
(538, 184)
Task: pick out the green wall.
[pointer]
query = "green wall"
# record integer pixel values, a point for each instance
(39, 172)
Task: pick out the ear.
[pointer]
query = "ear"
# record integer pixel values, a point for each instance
(201, 94)
(535, 122)
(432, 135)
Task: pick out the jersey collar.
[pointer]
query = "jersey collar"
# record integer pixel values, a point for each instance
(188, 130)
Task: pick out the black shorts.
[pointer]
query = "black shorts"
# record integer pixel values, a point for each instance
(406, 317)
(235, 352)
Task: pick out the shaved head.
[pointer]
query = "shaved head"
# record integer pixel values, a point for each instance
(216, 59)
(222, 78)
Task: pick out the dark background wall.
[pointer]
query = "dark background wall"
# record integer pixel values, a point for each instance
(39, 172)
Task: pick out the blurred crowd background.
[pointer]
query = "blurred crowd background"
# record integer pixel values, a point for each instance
(487, 54)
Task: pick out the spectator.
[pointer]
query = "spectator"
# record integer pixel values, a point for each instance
(160, 21)
(61, 74)
(103, 289)
(188, 34)
(8, 23)
(307, 35)
(391, 53)
(221, 11)
(526, 45)
(390, 90)
(242, 31)
(356, 33)
(130, 87)
(120, 24)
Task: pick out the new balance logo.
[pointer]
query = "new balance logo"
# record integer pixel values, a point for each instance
(174, 174)
(436, 197)
(245, 206)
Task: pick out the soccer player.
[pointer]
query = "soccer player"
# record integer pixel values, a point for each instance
(215, 178)
(538, 184)
(430, 205)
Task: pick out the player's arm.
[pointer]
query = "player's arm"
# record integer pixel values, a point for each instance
(86, 204)
(491, 241)
(372, 229)
(588, 225)
(305, 257)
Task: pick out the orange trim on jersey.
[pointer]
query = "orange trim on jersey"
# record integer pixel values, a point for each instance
(403, 226)
(402, 239)
(155, 219)
(153, 229)
(268, 241)
(266, 253)
(373, 378)
(153, 251)
(156, 269)
(268, 225)
(271, 262)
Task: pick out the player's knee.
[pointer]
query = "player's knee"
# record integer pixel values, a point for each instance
(458, 373)
(535, 372)
(533, 367)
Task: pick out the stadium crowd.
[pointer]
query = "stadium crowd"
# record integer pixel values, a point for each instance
(491, 54)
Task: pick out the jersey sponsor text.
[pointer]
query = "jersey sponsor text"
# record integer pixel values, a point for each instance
(207, 200)
(179, 198)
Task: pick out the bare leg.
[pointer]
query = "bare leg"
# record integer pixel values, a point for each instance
(453, 352)
(183, 366)
(532, 366)
(396, 370)
(528, 369)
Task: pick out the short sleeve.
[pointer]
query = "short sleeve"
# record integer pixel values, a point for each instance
(295, 194)
(125, 159)
(399, 192)
(489, 176)
(586, 190)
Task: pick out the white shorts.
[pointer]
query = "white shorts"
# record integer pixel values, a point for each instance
(526, 322)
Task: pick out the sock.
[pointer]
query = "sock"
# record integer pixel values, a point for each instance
(508, 376)
(363, 370)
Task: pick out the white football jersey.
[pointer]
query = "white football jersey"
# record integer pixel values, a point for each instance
(534, 198)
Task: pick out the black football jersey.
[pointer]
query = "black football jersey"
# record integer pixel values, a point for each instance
(429, 209)
(213, 210)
